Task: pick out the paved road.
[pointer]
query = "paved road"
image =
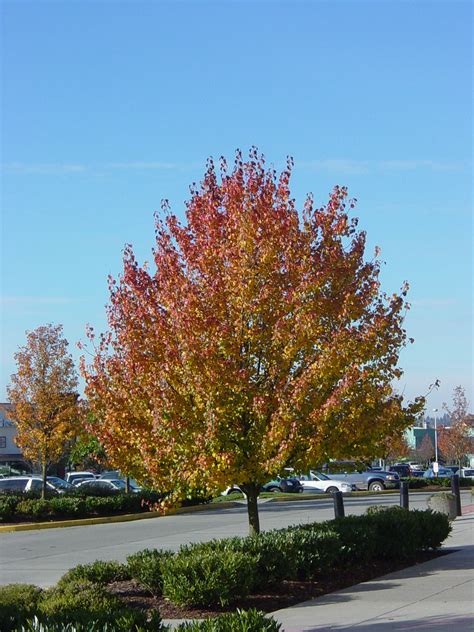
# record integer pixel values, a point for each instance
(40, 557)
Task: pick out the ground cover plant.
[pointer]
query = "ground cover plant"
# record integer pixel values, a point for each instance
(269, 571)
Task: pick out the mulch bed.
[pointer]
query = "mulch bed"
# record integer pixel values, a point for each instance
(286, 594)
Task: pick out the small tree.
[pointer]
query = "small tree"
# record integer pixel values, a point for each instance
(455, 441)
(426, 452)
(262, 340)
(44, 398)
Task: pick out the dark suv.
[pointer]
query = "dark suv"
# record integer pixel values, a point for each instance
(361, 475)
(402, 469)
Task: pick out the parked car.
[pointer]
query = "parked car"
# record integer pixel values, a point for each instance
(317, 482)
(361, 475)
(25, 484)
(288, 485)
(285, 485)
(443, 472)
(402, 469)
(101, 487)
(467, 472)
(415, 467)
(73, 477)
(60, 483)
(453, 468)
(116, 475)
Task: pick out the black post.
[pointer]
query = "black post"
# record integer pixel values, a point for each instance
(404, 495)
(338, 505)
(457, 493)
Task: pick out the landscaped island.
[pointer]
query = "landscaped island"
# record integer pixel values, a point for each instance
(215, 578)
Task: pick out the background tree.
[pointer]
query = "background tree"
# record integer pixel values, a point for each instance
(395, 447)
(87, 453)
(44, 398)
(426, 452)
(261, 340)
(455, 441)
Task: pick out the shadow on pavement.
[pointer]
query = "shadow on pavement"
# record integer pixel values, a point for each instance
(459, 623)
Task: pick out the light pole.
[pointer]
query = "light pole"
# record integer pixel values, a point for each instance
(435, 410)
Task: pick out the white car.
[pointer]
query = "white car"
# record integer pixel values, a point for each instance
(74, 477)
(317, 482)
(22, 484)
(467, 472)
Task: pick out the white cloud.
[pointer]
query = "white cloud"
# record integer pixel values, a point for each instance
(434, 302)
(43, 168)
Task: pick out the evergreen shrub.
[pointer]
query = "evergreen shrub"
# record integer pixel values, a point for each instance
(206, 577)
(17, 603)
(145, 568)
(239, 621)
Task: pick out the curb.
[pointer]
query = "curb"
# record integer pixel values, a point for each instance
(81, 522)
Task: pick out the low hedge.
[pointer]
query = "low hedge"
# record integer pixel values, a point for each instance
(27, 506)
(206, 577)
(98, 572)
(145, 568)
(418, 482)
(220, 571)
(17, 603)
(73, 602)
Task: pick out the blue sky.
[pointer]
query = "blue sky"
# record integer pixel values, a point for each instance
(108, 107)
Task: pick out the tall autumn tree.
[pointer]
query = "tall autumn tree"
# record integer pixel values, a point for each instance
(44, 398)
(455, 441)
(262, 339)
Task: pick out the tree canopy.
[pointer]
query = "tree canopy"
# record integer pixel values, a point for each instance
(261, 339)
(44, 397)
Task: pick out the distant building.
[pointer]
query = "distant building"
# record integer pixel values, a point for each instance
(415, 435)
(11, 457)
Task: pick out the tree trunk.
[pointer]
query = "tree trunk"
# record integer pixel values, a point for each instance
(251, 491)
(127, 485)
(44, 467)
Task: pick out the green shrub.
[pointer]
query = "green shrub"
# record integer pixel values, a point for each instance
(78, 600)
(99, 572)
(271, 563)
(17, 603)
(240, 621)
(68, 505)
(102, 504)
(417, 482)
(312, 549)
(204, 577)
(356, 534)
(8, 505)
(82, 601)
(145, 568)
(34, 507)
(432, 527)
(124, 623)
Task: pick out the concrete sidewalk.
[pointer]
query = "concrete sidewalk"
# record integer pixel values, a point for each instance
(434, 596)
